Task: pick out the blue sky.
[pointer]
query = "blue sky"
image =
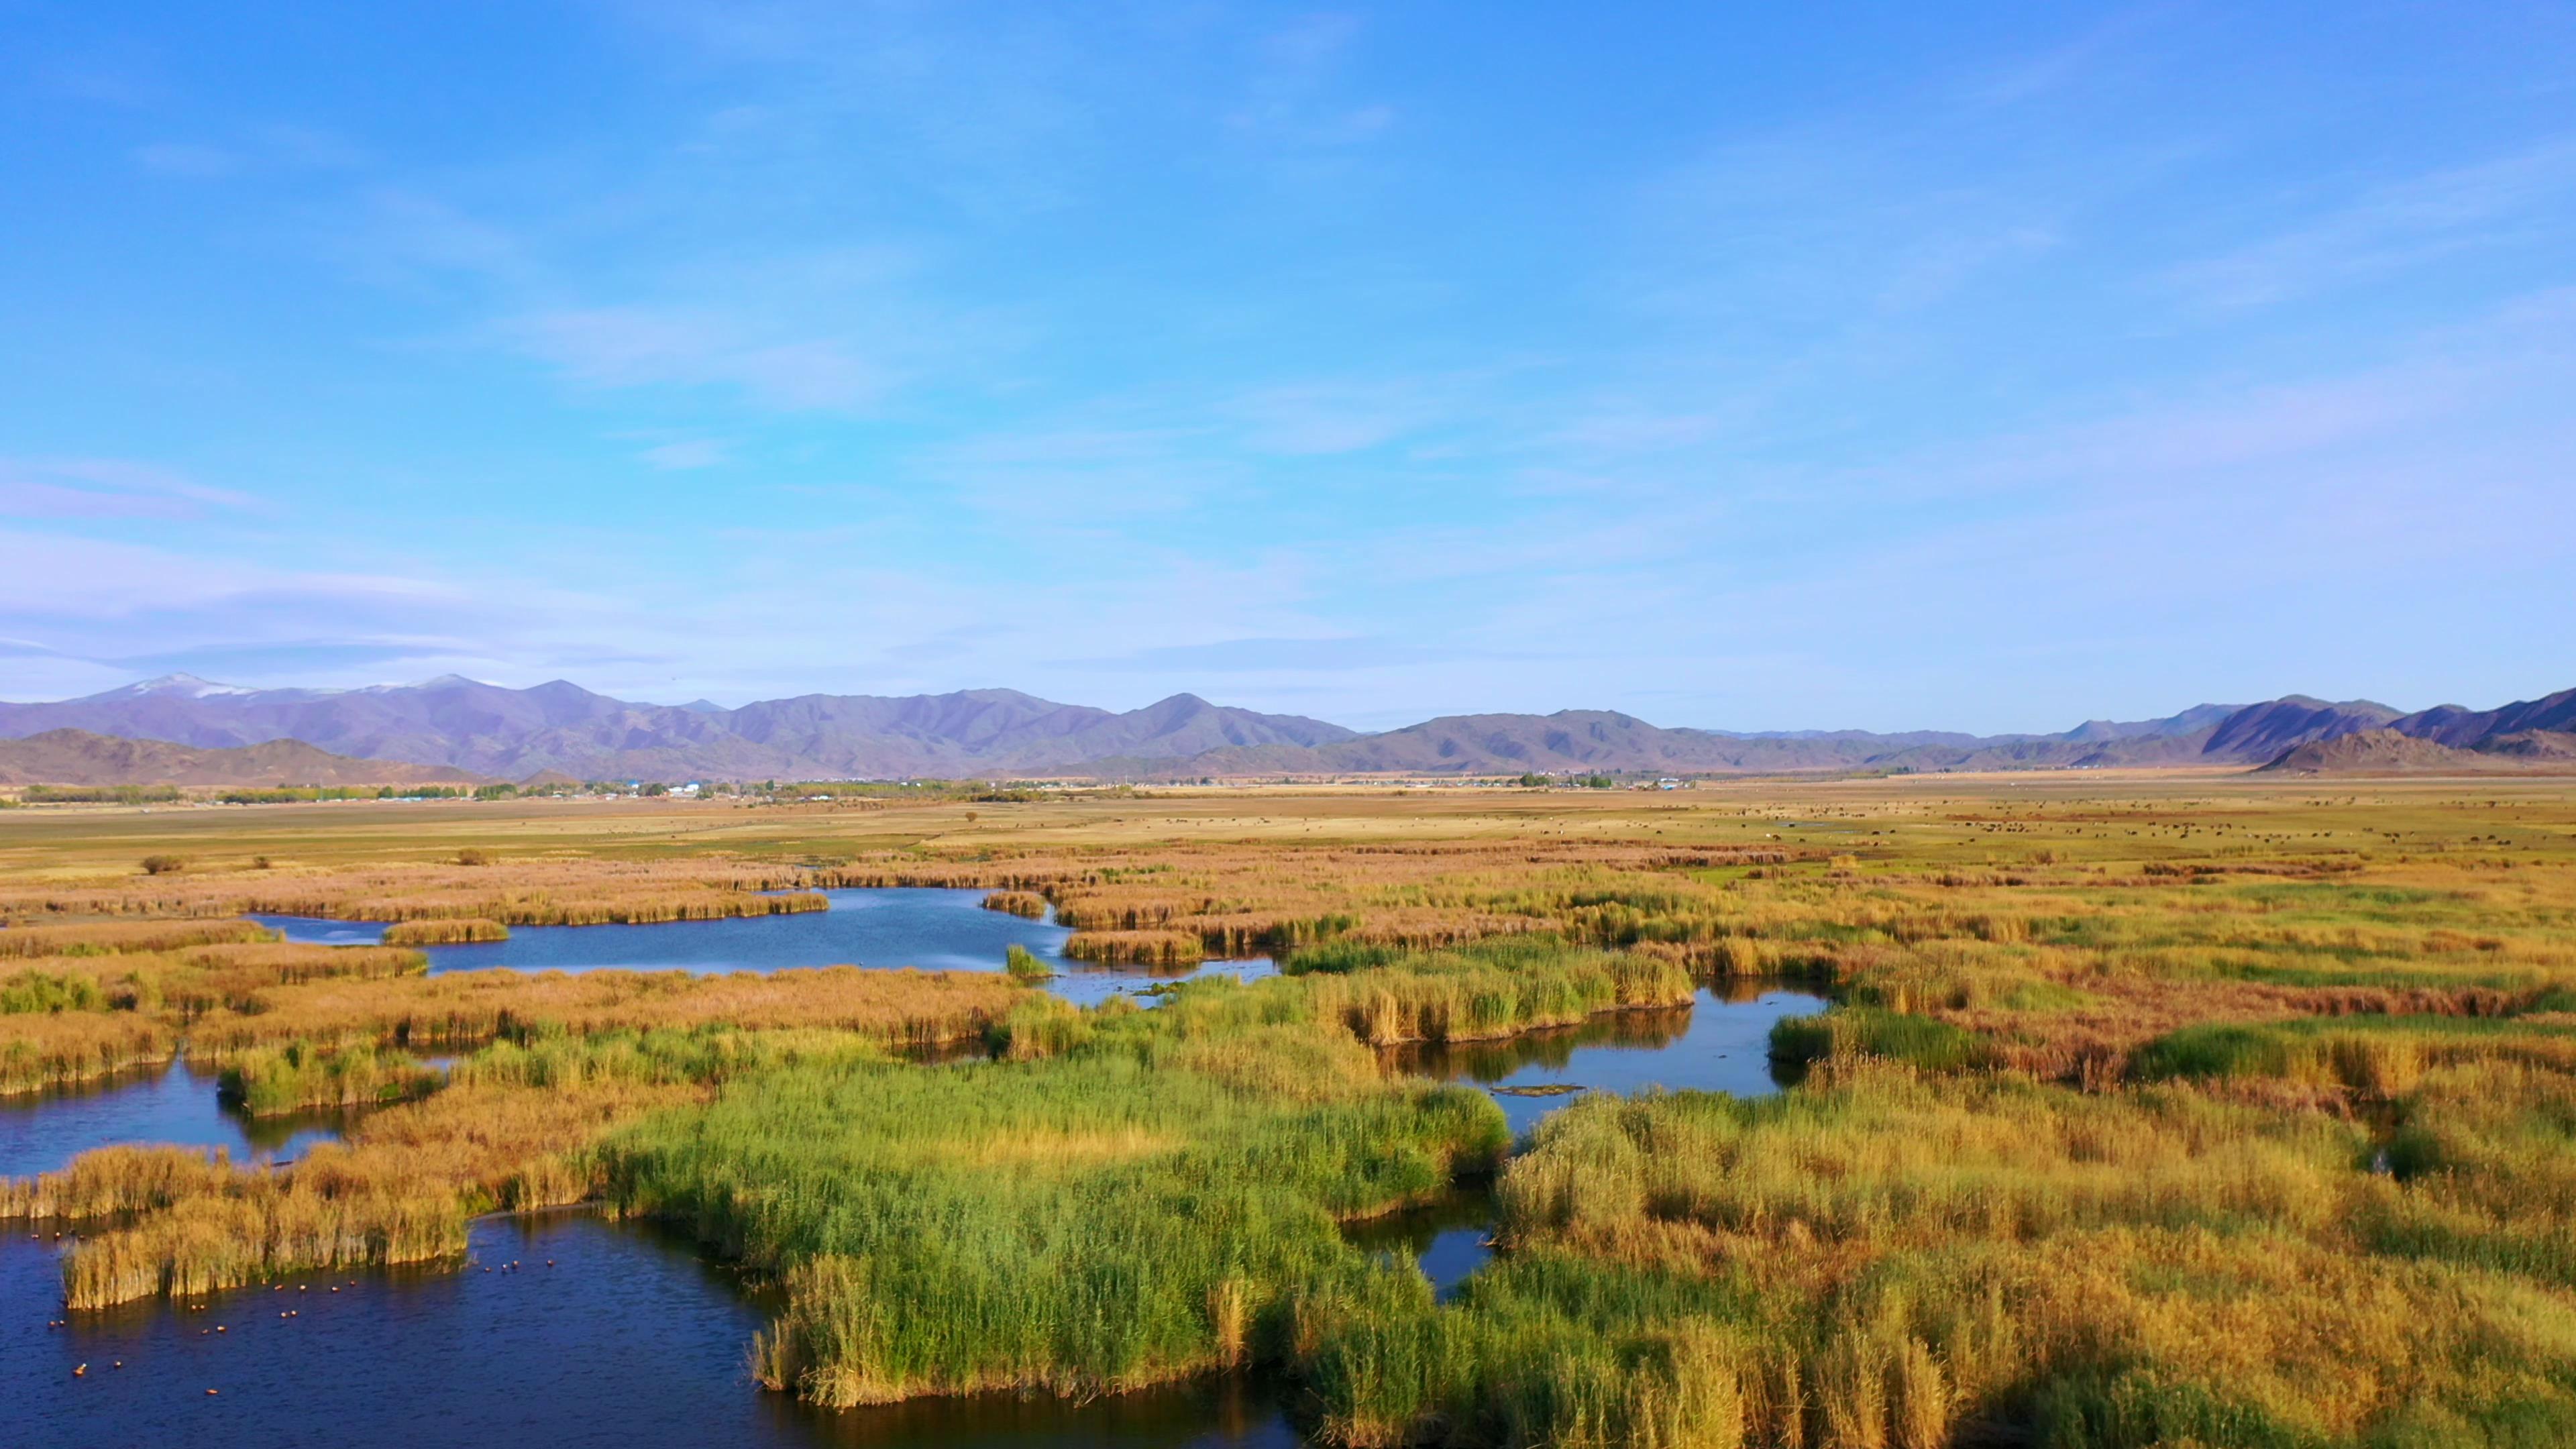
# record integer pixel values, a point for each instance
(1750, 367)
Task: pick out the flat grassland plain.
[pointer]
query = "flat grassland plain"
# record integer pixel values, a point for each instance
(2153, 1109)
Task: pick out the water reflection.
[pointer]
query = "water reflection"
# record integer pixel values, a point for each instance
(44, 1131)
(1719, 1043)
(1223, 1410)
(1450, 1238)
(320, 931)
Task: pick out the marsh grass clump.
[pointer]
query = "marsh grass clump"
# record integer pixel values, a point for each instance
(445, 932)
(58, 1048)
(1023, 965)
(185, 984)
(1137, 948)
(1482, 993)
(1026, 904)
(34, 991)
(1125, 1208)
(1799, 1042)
(468, 1009)
(269, 1081)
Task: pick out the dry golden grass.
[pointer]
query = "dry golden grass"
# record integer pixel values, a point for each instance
(52, 1049)
(113, 938)
(1141, 948)
(468, 1008)
(534, 892)
(184, 984)
(444, 932)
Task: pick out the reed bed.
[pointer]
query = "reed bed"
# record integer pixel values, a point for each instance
(57, 1049)
(1890, 1258)
(1486, 993)
(445, 931)
(116, 938)
(185, 984)
(1026, 904)
(269, 1081)
(466, 1009)
(553, 891)
(1139, 948)
(1119, 1213)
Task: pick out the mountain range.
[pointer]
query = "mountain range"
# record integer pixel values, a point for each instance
(78, 757)
(459, 724)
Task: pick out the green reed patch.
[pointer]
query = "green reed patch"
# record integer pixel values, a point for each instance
(1141, 1202)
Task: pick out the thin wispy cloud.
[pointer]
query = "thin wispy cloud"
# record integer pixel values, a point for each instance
(1766, 370)
(106, 488)
(2522, 199)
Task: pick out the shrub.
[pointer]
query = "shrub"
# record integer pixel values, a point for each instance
(1024, 965)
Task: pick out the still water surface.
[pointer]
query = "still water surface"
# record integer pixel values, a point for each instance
(629, 1339)
(44, 1131)
(1448, 1239)
(937, 930)
(1720, 1043)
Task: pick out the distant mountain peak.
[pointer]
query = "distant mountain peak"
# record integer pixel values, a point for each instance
(181, 684)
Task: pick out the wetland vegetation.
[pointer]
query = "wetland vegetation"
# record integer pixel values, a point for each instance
(2149, 1111)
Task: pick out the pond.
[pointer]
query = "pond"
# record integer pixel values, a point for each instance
(937, 930)
(603, 1334)
(1719, 1043)
(44, 1131)
(1448, 1239)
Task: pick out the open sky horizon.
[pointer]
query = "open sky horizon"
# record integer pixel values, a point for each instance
(1861, 366)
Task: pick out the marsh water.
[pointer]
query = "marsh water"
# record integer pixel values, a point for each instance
(936, 930)
(44, 1131)
(1719, 1043)
(603, 1334)
(617, 1334)
(1448, 1239)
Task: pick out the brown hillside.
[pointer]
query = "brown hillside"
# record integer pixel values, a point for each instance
(77, 757)
(2387, 752)
(2559, 745)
